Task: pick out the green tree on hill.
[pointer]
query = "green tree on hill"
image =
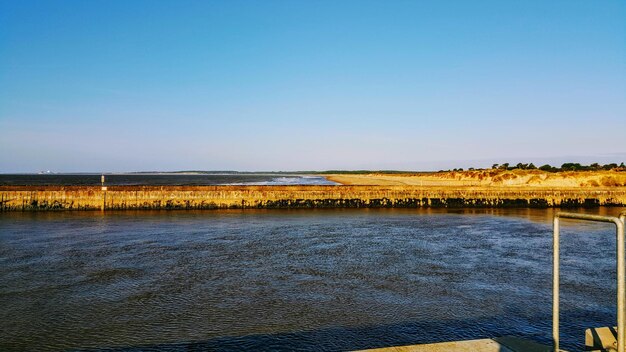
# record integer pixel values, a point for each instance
(547, 167)
(571, 167)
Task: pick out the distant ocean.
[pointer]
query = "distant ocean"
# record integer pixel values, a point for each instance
(161, 179)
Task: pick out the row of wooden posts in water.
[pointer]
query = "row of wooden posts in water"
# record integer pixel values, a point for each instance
(27, 198)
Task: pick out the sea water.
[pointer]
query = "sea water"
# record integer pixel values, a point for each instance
(161, 179)
(301, 280)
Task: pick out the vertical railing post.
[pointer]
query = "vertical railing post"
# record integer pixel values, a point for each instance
(621, 288)
(555, 284)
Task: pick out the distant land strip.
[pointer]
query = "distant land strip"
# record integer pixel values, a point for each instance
(46, 198)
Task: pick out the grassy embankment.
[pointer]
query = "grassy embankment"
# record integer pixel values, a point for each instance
(480, 188)
(519, 179)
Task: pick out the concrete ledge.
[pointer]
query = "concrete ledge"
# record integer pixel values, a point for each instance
(500, 344)
(601, 339)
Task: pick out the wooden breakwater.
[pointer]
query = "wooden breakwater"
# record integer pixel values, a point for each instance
(32, 198)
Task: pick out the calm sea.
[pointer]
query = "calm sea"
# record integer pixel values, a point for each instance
(297, 280)
(163, 179)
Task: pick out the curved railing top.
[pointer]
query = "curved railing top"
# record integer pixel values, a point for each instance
(589, 217)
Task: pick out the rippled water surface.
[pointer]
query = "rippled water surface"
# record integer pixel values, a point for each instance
(294, 280)
(162, 179)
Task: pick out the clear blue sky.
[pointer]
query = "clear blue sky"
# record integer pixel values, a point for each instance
(291, 85)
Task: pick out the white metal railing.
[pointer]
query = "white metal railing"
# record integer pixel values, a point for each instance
(621, 270)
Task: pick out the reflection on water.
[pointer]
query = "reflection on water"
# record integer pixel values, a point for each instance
(295, 280)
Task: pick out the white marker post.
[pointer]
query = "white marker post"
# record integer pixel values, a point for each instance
(104, 194)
